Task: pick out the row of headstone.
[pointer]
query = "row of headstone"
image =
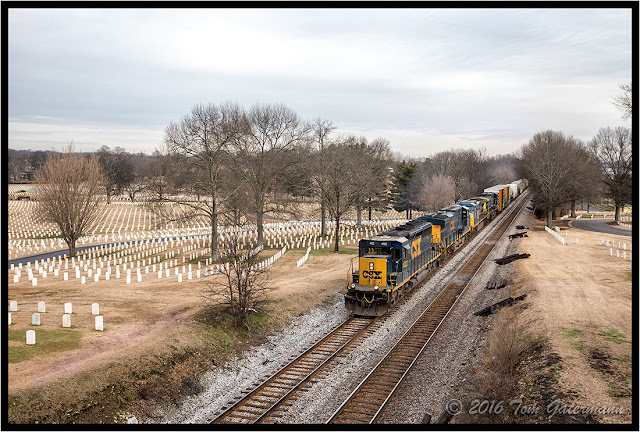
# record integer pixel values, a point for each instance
(68, 307)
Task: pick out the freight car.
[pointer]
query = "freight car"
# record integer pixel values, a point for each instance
(391, 263)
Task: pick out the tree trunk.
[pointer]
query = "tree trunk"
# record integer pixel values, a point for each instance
(323, 218)
(358, 215)
(573, 208)
(214, 229)
(336, 249)
(588, 205)
(550, 219)
(259, 224)
(72, 247)
(108, 197)
(617, 217)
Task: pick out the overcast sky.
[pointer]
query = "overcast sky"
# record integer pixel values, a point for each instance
(425, 79)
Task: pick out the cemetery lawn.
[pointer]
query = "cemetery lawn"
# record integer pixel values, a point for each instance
(48, 341)
(158, 337)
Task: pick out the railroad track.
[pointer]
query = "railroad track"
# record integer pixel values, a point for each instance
(272, 393)
(268, 402)
(366, 402)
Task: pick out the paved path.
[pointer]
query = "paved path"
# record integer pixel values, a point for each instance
(61, 252)
(599, 225)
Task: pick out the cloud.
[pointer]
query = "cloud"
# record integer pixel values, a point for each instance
(463, 73)
(47, 135)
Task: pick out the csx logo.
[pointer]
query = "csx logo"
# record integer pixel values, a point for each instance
(415, 248)
(452, 226)
(372, 274)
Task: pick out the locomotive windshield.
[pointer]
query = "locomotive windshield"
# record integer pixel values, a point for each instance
(375, 250)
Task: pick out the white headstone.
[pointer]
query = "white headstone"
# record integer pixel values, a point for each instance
(65, 276)
(99, 323)
(34, 282)
(31, 337)
(41, 307)
(35, 319)
(95, 309)
(66, 320)
(68, 308)
(9, 318)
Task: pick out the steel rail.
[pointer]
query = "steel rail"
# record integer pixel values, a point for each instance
(440, 295)
(288, 366)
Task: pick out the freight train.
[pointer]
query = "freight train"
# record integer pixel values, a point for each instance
(391, 263)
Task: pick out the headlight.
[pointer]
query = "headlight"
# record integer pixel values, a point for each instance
(353, 285)
(376, 287)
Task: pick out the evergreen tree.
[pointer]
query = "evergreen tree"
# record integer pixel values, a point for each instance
(401, 191)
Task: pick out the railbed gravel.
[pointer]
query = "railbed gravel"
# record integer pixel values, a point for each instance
(451, 355)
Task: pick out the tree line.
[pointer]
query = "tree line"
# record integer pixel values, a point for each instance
(232, 165)
(564, 170)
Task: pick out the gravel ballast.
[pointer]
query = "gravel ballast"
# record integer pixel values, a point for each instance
(444, 364)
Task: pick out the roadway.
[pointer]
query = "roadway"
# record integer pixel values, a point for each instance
(599, 225)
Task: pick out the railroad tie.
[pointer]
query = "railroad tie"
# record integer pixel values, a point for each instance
(494, 307)
(510, 258)
(496, 284)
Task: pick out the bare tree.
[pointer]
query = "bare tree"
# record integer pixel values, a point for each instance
(585, 178)
(377, 192)
(260, 155)
(321, 129)
(623, 103)
(156, 175)
(68, 193)
(118, 170)
(546, 163)
(612, 149)
(371, 173)
(340, 191)
(436, 193)
(244, 285)
(200, 143)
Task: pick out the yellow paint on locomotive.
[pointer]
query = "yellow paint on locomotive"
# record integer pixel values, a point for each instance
(435, 233)
(415, 248)
(472, 222)
(373, 271)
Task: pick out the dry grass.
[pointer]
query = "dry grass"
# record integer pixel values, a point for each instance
(511, 342)
(165, 373)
